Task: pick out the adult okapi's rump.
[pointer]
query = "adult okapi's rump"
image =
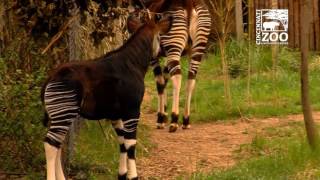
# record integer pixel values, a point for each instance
(191, 23)
(110, 87)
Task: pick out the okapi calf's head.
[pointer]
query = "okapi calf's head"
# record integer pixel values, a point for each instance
(157, 24)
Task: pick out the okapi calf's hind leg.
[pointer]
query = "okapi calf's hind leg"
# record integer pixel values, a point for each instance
(62, 106)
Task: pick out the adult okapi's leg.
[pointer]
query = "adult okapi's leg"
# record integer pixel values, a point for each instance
(63, 108)
(173, 43)
(118, 127)
(199, 31)
(161, 78)
(130, 141)
(51, 154)
(59, 169)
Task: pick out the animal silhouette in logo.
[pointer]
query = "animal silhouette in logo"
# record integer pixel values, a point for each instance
(270, 25)
(278, 20)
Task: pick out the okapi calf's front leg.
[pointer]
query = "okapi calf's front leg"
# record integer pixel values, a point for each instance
(118, 127)
(130, 141)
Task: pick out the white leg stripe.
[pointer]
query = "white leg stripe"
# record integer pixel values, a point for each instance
(129, 142)
(117, 124)
(123, 164)
(132, 169)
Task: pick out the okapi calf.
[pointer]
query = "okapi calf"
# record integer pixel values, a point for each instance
(110, 87)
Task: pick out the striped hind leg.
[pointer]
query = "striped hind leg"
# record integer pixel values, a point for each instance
(199, 31)
(173, 43)
(63, 108)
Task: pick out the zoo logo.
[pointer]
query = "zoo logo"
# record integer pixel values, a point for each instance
(272, 26)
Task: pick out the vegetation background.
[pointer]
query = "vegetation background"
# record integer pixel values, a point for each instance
(236, 80)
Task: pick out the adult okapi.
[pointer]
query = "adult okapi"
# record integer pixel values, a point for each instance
(191, 25)
(110, 87)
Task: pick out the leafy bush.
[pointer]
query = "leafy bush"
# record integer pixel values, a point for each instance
(237, 54)
(21, 113)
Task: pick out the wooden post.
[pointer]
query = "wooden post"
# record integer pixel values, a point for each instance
(239, 19)
(296, 23)
(251, 19)
(291, 24)
(312, 28)
(274, 48)
(250, 55)
(316, 24)
(306, 107)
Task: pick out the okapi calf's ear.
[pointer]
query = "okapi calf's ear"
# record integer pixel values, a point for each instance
(133, 24)
(164, 24)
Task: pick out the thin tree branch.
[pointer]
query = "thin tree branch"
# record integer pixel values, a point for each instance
(56, 37)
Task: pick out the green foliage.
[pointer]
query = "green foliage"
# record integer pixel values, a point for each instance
(237, 55)
(21, 120)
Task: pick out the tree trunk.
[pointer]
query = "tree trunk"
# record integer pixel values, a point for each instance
(74, 46)
(251, 20)
(225, 71)
(250, 55)
(306, 16)
(239, 19)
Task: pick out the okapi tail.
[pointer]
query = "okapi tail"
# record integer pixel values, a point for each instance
(45, 119)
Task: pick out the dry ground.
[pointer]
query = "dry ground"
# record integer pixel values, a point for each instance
(202, 148)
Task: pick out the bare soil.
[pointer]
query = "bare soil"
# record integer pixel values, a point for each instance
(203, 148)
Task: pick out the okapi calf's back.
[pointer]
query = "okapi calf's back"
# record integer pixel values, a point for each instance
(110, 87)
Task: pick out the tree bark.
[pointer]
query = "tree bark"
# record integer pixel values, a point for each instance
(239, 19)
(306, 15)
(74, 46)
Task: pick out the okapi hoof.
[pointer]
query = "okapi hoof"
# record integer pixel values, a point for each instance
(173, 127)
(122, 177)
(160, 125)
(174, 122)
(186, 126)
(186, 123)
(162, 118)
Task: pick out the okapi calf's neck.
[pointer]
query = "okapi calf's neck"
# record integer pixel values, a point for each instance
(109, 87)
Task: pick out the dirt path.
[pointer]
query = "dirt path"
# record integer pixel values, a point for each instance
(203, 148)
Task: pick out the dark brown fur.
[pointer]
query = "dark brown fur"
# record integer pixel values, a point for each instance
(111, 86)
